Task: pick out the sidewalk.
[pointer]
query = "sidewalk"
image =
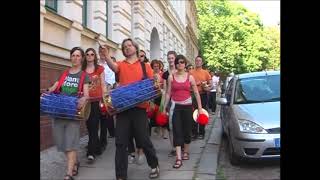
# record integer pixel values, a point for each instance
(201, 165)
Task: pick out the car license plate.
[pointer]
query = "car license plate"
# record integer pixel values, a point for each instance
(277, 142)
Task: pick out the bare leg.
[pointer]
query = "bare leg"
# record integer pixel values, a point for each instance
(71, 160)
(140, 159)
(178, 151)
(186, 148)
(140, 152)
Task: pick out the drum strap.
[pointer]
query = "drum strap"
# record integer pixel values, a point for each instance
(61, 80)
(80, 90)
(143, 66)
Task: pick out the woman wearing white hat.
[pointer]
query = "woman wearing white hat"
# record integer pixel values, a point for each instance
(179, 84)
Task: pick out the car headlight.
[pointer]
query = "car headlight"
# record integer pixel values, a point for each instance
(250, 127)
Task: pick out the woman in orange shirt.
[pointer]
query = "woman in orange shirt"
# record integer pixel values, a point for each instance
(156, 66)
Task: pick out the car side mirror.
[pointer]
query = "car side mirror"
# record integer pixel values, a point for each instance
(222, 101)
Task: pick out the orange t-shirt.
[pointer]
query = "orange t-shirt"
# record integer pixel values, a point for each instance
(129, 73)
(95, 88)
(200, 75)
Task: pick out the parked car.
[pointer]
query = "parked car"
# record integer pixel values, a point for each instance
(250, 115)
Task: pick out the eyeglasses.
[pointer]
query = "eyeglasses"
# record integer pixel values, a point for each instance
(142, 56)
(90, 54)
(181, 62)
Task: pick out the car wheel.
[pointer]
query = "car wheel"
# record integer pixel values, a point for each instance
(234, 159)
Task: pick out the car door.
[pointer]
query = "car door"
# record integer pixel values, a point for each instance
(226, 109)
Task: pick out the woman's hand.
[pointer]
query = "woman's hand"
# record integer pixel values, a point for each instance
(81, 102)
(200, 111)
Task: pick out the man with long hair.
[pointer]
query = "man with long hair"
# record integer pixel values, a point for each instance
(134, 120)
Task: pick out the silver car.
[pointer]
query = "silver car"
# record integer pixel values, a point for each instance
(250, 115)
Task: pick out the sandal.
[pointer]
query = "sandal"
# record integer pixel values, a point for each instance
(68, 177)
(154, 173)
(75, 171)
(177, 164)
(185, 156)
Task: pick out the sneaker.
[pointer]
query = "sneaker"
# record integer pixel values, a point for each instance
(140, 159)
(194, 137)
(201, 137)
(90, 158)
(131, 159)
(154, 173)
(172, 153)
(156, 130)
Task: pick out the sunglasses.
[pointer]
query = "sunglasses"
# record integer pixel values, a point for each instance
(90, 54)
(142, 56)
(181, 62)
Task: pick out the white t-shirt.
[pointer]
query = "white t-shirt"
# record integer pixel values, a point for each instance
(109, 75)
(215, 83)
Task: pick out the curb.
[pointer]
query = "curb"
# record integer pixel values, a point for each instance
(208, 162)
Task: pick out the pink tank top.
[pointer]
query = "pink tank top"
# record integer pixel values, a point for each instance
(180, 91)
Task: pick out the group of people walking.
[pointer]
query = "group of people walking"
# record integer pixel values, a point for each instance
(183, 90)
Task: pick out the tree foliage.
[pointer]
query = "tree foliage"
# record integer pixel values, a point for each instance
(233, 39)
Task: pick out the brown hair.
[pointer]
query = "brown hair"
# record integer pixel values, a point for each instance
(180, 56)
(133, 43)
(172, 52)
(84, 63)
(79, 49)
(155, 61)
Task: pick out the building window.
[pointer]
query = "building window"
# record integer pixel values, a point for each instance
(51, 4)
(84, 13)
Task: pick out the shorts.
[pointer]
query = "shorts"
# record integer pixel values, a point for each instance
(66, 134)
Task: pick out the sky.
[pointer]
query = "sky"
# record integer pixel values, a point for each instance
(269, 10)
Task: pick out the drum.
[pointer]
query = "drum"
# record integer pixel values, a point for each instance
(63, 106)
(126, 97)
(196, 114)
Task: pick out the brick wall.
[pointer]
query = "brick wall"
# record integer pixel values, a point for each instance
(48, 75)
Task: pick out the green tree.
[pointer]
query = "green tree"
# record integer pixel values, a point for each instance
(233, 39)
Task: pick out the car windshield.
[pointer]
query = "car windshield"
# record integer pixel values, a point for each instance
(258, 89)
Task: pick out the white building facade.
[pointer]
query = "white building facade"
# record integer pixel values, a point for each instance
(158, 26)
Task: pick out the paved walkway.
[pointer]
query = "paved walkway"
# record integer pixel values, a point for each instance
(202, 163)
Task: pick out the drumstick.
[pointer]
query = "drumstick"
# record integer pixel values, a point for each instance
(100, 45)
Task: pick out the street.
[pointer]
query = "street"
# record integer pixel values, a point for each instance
(253, 170)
